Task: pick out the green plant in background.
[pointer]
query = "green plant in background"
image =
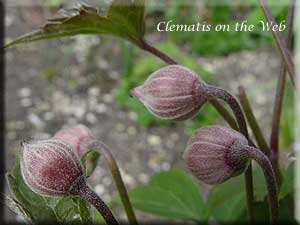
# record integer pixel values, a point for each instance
(172, 194)
(53, 3)
(288, 115)
(219, 43)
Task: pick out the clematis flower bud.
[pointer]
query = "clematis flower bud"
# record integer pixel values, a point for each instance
(77, 136)
(82, 139)
(49, 167)
(215, 154)
(172, 93)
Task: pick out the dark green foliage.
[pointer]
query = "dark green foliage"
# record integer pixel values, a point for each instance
(124, 19)
(220, 43)
(287, 186)
(171, 194)
(287, 125)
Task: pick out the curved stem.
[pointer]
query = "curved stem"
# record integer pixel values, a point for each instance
(215, 92)
(89, 195)
(114, 169)
(266, 165)
(81, 189)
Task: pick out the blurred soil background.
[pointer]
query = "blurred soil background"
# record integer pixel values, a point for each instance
(85, 79)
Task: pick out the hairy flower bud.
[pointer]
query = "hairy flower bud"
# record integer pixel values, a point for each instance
(77, 136)
(172, 93)
(215, 154)
(49, 167)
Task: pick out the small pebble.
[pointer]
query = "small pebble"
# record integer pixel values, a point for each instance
(79, 112)
(24, 92)
(103, 64)
(153, 140)
(144, 178)
(132, 116)
(114, 75)
(48, 116)
(170, 144)
(261, 99)
(94, 91)
(101, 108)
(120, 127)
(26, 102)
(99, 189)
(91, 118)
(35, 120)
(106, 181)
(175, 136)
(165, 166)
(108, 98)
(131, 131)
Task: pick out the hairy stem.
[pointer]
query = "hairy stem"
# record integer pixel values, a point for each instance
(266, 165)
(261, 141)
(277, 110)
(81, 189)
(284, 51)
(215, 92)
(114, 169)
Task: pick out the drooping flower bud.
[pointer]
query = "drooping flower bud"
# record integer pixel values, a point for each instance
(172, 93)
(49, 167)
(77, 136)
(215, 154)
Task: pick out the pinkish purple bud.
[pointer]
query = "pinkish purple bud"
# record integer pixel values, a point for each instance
(172, 93)
(77, 136)
(49, 167)
(215, 154)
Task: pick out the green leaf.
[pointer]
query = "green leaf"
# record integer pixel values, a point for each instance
(36, 208)
(227, 201)
(262, 213)
(124, 19)
(287, 186)
(89, 161)
(171, 194)
(72, 211)
(83, 211)
(259, 184)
